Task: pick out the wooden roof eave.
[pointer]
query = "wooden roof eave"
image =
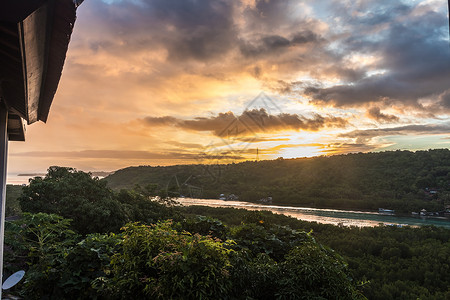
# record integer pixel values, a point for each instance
(34, 37)
(44, 38)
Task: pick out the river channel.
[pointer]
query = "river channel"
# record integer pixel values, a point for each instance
(327, 216)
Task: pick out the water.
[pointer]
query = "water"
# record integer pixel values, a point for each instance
(327, 216)
(21, 179)
(17, 179)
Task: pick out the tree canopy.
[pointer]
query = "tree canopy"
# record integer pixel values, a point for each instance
(401, 180)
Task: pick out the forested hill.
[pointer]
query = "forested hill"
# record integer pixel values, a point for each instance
(401, 180)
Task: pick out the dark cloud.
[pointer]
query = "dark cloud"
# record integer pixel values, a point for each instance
(203, 29)
(414, 60)
(199, 30)
(271, 44)
(130, 154)
(211, 38)
(371, 89)
(266, 15)
(249, 122)
(363, 136)
(304, 37)
(184, 145)
(376, 114)
(262, 139)
(161, 121)
(339, 148)
(444, 100)
(345, 73)
(275, 40)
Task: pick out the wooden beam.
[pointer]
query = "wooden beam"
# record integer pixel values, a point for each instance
(34, 42)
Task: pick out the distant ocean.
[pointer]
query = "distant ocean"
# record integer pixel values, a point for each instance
(20, 179)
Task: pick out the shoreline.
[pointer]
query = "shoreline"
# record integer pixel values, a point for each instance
(327, 216)
(327, 208)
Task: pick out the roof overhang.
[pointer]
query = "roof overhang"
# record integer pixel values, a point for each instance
(34, 37)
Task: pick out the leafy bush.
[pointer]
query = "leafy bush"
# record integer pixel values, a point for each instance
(312, 272)
(138, 206)
(273, 240)
(85, 263)
(75, 195)
(41, 240)
(159, 262)
(60, 267)
(205, 226)
(254, 277)
(12, 206)
(276, 262)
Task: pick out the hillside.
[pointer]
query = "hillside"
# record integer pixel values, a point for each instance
(402, 180)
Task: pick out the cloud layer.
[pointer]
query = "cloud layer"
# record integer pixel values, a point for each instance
(368, 134)
(364, 52)
(250, 122)
(156, 81)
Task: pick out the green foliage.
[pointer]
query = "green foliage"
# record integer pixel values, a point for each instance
(60, 267)
(85, 263)
(160, 263)
(274, 240)
(395, 263)
(395, 179)
(164, 261)
(273, 267)
(308, 272)
(138, 206)
(312, 272)
(12, 206)
(40, 234)
(254, 277)
(400, 263)
(256, 255)
(277, 262)
(75, 195)
(93, 207)
(41, 240)
(205, 226)
(269, 256)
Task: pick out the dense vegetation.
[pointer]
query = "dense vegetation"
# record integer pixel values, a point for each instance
(13, 193)
(401, 180)
(93, 206)
(164, 261)
(164, 256)
(396, 263)
(211, 253)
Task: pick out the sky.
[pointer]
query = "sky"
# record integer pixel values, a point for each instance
(163, 82)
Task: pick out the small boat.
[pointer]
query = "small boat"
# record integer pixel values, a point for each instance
(385, 211)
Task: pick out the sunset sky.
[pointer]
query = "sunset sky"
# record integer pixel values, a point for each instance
(161, 82)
